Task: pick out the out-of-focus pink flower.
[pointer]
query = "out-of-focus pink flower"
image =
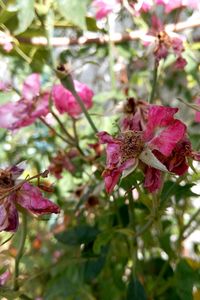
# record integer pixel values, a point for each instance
(180, 63)
(104, 7)
(142, 6)
(162, 134)
(62, 161)
(4, 86)
(6, 41)
(164, 43)
(20, 194)
(4, 277)
(65, 101)
(25, 111)
(174, 4)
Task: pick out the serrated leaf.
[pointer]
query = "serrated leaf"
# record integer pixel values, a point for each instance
(25, 15)
(74, 11)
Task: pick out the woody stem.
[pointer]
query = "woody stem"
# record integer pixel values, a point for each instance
(20, 251)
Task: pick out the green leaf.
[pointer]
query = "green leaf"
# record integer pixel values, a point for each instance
(185, 277)
(74, 11)
(102, 239)
(78, 235)
(25, 15)
(136, 290)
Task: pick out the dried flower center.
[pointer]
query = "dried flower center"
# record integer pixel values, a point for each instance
(6, 180)
(132, 145)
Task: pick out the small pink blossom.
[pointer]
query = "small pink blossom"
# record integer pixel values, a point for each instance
(104, 7)
(6, 41)
(65, 101)
(162, 134)
(142, 6)
(180, 63)
(4, 277)
(164, 43)
(20, 194)
(25, 111)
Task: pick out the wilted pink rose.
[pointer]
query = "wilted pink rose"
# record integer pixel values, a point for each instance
(162, 134)
(20, 194)
(25, 111)
(104, 7)
(165, 42)
(65, 101)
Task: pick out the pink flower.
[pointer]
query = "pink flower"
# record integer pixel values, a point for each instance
(142, 6)
(6, 41)
(4, 277)
(162, 134)
(65, 101)
(104, 7)
(16, 193)
(174, 4)
(25, 111)
(164, 43)
(180, 63)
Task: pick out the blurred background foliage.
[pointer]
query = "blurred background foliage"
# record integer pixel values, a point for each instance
(90, 251)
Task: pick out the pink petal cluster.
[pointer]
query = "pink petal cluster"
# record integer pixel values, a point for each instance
(161, 137)
(4, 277)
(104, 7)
(134, 115)
(25, 111)
(174, 4)
(165, 43)
(6, 41)
(142, 6)
(23, 195)
(65, 101)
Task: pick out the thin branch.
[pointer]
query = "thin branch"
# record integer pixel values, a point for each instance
(104, 39)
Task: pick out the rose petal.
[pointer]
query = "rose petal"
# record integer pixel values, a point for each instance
(30, 198)
(31, 86)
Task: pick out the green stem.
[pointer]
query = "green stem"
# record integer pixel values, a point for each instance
(84, 110)
(155, 76)
(111, 57)
(62, 126)
(189, 222)
(133, 242)
(20, 251)
(55, 132)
